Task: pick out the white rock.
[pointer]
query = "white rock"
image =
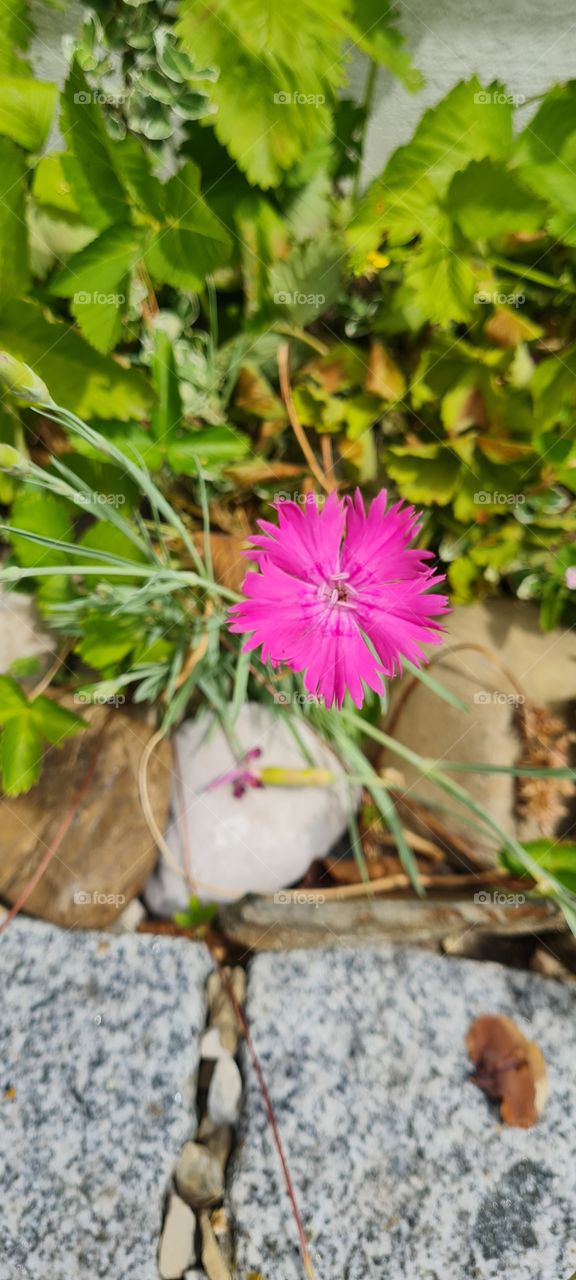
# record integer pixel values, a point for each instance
(21, 635)
(177, 1243)
(129, 919)
(262, 841)
(211, 1046)
(225, 1092)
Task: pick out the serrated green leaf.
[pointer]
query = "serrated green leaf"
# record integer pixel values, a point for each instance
(193, 242)
(50, 185)
(90, 170)
(53, 721)
(16, 29)
(13, 701)
(26, 110)
(270, 109)
(20, 755)
(79, 378)
(41, 513)
(442, 279)
(308, 282)
(487, 200)
(14, 272)
(431, 477)
(97, 280)
(382, 41)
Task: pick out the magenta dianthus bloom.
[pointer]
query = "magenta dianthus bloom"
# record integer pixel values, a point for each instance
(340, 594)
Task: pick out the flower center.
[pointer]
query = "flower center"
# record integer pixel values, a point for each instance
(337, 590)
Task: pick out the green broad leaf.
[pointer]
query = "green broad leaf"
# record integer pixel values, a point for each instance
(106, 537)
(20, 754)
(90, 171)
(544, 154)
(107, 641)
(554, 389)
(14, 271)
(53, 721)
(50, 185)
(13, 701)
(167, 413)
(211, 446)
(193, 242)
(15, 33)
(79, 378)
(133, 162)
(270, 109)
(53, 237)
(25, 668)
(430, 477)
(487, 200)
(308, 282)
(39, 513)
(558, 857)
(26, 110)
(98, 280)
(442, 279)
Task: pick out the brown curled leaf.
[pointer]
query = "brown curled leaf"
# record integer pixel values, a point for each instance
(509, 1068)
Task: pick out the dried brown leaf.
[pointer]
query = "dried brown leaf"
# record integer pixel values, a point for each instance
(509, 1069)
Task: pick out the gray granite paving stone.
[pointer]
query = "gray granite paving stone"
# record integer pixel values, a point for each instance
(99, 1039)
(401, 1166)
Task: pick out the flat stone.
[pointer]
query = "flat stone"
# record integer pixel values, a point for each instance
(257, 842)
(99, 1040)
(177, 1249)
(107, 853)
(400, 1165)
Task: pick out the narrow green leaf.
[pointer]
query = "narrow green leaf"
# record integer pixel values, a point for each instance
(20, 755)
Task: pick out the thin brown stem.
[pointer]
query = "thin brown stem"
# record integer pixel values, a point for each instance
(269, 1109)
(284, 371)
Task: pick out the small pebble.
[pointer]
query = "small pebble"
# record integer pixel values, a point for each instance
(225, 1093)
(198, 1176)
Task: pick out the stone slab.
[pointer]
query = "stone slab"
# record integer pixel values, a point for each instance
(99, 1045)
(400, 1164)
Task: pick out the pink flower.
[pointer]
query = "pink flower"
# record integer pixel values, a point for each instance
(570, 578)
(340, 594)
